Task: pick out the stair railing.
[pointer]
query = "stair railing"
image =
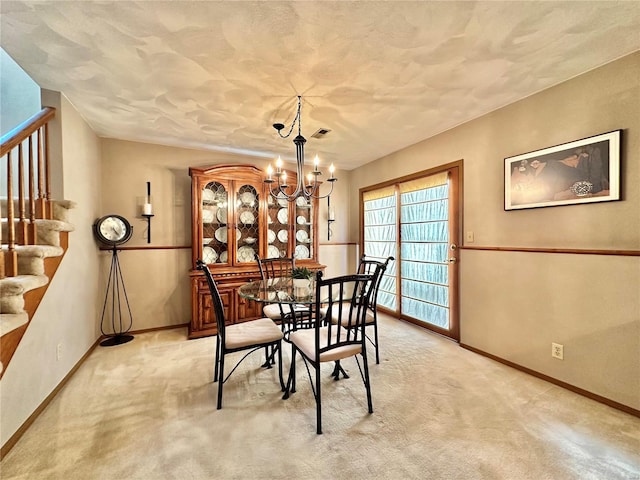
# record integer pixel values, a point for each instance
(35, 203)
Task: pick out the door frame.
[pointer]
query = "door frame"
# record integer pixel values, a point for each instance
(455, 170)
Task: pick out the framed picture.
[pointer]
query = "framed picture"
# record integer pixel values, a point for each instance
(582, 171)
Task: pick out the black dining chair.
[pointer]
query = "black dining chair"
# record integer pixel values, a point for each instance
(345, 298)
(252, 335)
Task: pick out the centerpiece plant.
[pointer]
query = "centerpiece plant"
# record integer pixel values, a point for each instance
(301, 273)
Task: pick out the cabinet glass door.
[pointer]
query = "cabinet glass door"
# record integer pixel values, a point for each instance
(278, 228)
(214, 223)
(247, 224)
(303, 229)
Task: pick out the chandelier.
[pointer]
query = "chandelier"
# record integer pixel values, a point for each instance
(278, 186)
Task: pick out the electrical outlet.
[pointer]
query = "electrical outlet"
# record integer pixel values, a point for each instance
(557, 351)
(59, 351)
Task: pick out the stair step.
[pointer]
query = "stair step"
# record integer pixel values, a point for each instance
(31, 257)
(11, 321)
(61, 208)
(12, 290)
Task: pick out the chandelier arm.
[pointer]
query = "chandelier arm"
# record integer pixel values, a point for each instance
(293, 122)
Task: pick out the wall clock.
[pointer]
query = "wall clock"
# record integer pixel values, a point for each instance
(112, 230)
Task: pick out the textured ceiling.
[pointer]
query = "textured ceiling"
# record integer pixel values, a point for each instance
(379, 75)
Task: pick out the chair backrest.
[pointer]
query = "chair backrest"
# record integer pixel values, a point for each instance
(375, 268)
(218, 306)
(345, 298)
(275, 267)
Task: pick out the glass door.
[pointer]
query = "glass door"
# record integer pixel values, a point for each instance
(416, 221)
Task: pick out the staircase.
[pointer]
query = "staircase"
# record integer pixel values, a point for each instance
(33, 240)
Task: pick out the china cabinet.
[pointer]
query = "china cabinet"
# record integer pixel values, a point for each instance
(234, 217)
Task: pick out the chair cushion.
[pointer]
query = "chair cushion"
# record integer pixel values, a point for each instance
(305, 341)
(255, 332)
(334, 317)
(273, 312)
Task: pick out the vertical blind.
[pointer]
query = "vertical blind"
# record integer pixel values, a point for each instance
(380, 242)
(423, 245)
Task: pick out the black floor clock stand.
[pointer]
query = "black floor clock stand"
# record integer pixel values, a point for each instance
(116, 292)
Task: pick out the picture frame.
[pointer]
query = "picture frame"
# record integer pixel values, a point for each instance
(581, 171)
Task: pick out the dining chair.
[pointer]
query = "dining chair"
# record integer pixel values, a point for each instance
(285, 313)
(347, 298)
(252, 335)
(376, 269)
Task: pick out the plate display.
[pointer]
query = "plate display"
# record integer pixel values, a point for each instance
(208, 195)
(302, 236)
(301, 202)
(301, 220)
(209, 255)
(247, 218)
(224, 256)
(221, 234)
(271, 236)
(301, 252)
(207, 215)
(282, 201)
(283, 215)
(283, 236)
(221, 215)
(246, 254)
(273, 252)
(247, 198)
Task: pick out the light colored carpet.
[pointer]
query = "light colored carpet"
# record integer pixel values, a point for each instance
(146, 410)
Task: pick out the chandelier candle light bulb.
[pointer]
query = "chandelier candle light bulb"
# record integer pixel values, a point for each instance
(309, 190)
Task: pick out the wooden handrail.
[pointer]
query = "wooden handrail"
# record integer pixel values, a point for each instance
(14, 137)
(36, 196)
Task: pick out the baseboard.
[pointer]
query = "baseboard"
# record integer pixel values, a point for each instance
(29, 421)
(555, 381)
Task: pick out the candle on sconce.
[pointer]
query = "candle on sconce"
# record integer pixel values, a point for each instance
(279, 164)
(331, 170)
(269, 172)
(332, 214)
(147, 207)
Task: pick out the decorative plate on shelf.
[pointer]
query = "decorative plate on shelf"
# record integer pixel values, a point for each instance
(301, 220)
(208, 195)
(247, 218)
(250, 240)
(207, 241)
(283, 215)
(247, 198)
(301, 202)
(271, 236)
(221, 215)
(302, 236)
(246, 254)
(270, 200)
(301, 252)
(221, 234)
(283, 236)
(282, 201)
(207, 215)
(273, 252)
(209, 255)
(224, 257)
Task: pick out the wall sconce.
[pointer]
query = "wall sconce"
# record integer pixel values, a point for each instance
(147, 211)
(331, 217)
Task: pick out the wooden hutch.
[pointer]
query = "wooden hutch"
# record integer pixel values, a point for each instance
(234, 217)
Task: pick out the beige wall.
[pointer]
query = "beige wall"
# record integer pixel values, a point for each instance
(157, 280)
(514, 305)
(67, 314)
